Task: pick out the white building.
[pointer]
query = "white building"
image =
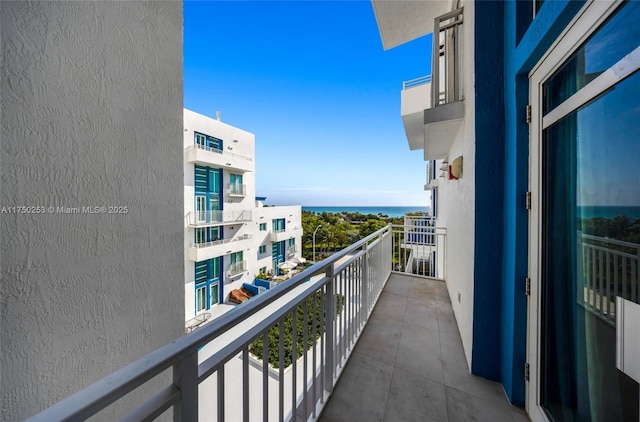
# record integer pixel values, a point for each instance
(229, 235)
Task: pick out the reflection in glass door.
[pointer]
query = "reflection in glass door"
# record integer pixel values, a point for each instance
(590, 217)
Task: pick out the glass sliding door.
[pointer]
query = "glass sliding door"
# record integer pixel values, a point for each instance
(589, 219)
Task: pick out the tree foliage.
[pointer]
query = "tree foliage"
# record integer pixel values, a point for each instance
(339, 230)
(274, 332)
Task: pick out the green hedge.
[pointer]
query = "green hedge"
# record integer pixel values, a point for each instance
(274, 332)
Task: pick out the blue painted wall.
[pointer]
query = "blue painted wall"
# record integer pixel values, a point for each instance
(519, 59)
(489, 138)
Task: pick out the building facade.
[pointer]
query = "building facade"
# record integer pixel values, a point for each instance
(229, 235)
(528, 121)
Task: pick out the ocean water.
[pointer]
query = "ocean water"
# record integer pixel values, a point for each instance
(390, 211)
(608, 212)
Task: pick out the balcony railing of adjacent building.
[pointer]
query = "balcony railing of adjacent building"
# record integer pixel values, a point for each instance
(416, 82)
(447, 86)
(277, 355)
(419, 247)
(236, 190)
(219, 151)
(221, 241)
(237, 268)
(211, 218)
(609, 268)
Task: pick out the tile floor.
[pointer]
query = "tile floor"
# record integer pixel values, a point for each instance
(409, 365)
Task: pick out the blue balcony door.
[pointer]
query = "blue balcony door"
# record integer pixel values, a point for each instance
(586, 224)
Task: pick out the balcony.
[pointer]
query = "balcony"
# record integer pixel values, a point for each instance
(205, 156)
(236, 190)
(409, 361)
(217, 218)
(432, 106)
(287, 233)
(237, 268)
(207, 250)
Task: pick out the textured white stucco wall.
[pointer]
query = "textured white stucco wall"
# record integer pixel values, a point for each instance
(91, 111)
(457, 202)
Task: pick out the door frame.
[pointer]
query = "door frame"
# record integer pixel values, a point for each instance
(586, 22)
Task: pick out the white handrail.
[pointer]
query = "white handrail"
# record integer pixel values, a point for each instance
(357, 272)
(208, 218)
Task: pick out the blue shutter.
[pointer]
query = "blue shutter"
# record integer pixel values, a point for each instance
(201, 272)
(200, 179)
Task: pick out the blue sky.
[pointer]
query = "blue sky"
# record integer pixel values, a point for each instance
(310, 79)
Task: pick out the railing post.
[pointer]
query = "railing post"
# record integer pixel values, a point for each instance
(185, 378)
(329, 316)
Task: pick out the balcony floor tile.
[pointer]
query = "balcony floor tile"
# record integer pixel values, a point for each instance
(409, 364)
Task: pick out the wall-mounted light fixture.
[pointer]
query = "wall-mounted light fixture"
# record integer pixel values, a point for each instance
(455, 169)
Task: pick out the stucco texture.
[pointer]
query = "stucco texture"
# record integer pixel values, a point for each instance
(91, 117)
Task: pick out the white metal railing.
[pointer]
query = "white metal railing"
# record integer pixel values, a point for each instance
(416, 82)
(237, 268)
(208, 218)
(608, 268)
(419, 247)
(221, 241)
(310, 324)
(447, 86)
(235, 189)
(219, 151)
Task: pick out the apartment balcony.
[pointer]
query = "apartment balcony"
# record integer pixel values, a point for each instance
(239, 191)
(218, 218)
(207, 250)
(205, 156)
(237, 268)
(409, 362)
(432, 106)
(287, 233)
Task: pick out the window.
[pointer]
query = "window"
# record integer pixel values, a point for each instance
(201, 235)
(237, 264)
(207, 193)
(235, 183)
(213, 294)
(207, 142)
(201, 298)
(201, 209)
(236, 257)
(278, 225)
(207, 283)
(206, 234)
(200, 139)
(263, 227)
(262, 249)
